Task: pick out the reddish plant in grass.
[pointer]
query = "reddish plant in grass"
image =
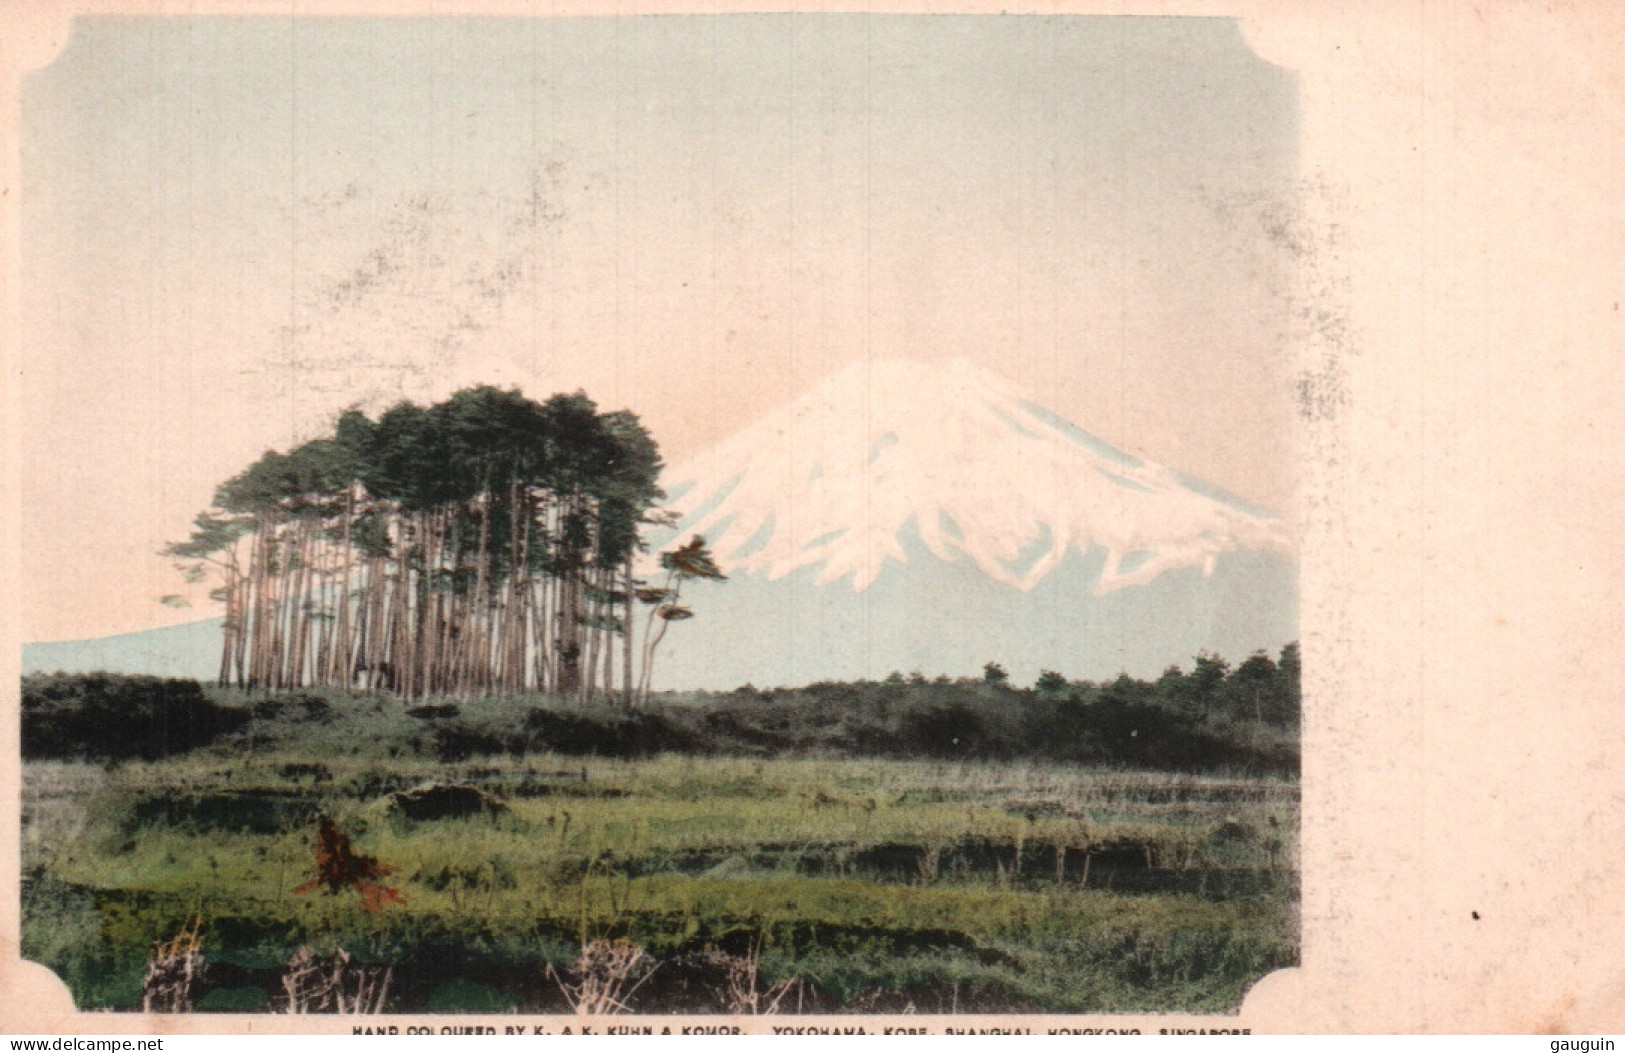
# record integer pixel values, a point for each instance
(340, 867)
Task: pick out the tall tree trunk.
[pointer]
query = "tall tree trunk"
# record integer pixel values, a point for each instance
(233, 626)
(607, 576)
(300, 595)
(407, 588)
(338, 655)
(590, 632)
(280, 628)
(476, 660)
(259, 652)
(653, 636)
(629, 698)
(358, 645)
(570, 611)
(510, 653)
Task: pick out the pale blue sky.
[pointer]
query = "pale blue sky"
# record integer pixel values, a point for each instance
(233, 228)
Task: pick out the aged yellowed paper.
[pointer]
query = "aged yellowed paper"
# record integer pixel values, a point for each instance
(1003, 361)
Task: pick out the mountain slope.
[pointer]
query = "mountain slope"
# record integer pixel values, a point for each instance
(982, 474)
(190, 650)
(910, 516)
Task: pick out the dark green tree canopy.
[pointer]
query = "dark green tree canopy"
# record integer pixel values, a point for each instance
(484, 542)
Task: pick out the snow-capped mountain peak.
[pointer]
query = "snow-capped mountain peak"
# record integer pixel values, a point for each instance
(956, 453)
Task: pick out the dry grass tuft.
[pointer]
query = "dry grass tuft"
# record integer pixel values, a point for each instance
(606, 975)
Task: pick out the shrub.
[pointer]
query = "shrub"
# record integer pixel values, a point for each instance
(107, 716)
(439, 801)
(953, 730)
(461, 743)
(609, 733)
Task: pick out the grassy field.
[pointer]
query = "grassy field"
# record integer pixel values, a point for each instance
(832, 884)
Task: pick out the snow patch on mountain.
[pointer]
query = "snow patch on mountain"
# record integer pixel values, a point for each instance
(980, 471)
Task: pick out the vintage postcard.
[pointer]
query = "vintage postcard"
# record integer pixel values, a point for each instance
(694, 519)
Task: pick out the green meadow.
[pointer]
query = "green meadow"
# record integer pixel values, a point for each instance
(832, 883)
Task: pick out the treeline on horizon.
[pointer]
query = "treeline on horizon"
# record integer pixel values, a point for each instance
(1212, 717)
(483, 545)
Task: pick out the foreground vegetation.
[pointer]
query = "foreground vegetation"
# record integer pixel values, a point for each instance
(508, 854)
(1213, 718)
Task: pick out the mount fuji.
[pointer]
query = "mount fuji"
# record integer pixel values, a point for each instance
(906, 515)
(919, 516)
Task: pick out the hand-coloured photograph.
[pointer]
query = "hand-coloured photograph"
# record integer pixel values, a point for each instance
(1062, 520)
(770, 514)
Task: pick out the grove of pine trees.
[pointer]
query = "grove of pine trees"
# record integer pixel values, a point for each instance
(483, 545)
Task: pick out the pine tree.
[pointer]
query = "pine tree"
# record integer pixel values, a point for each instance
(485, 544)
